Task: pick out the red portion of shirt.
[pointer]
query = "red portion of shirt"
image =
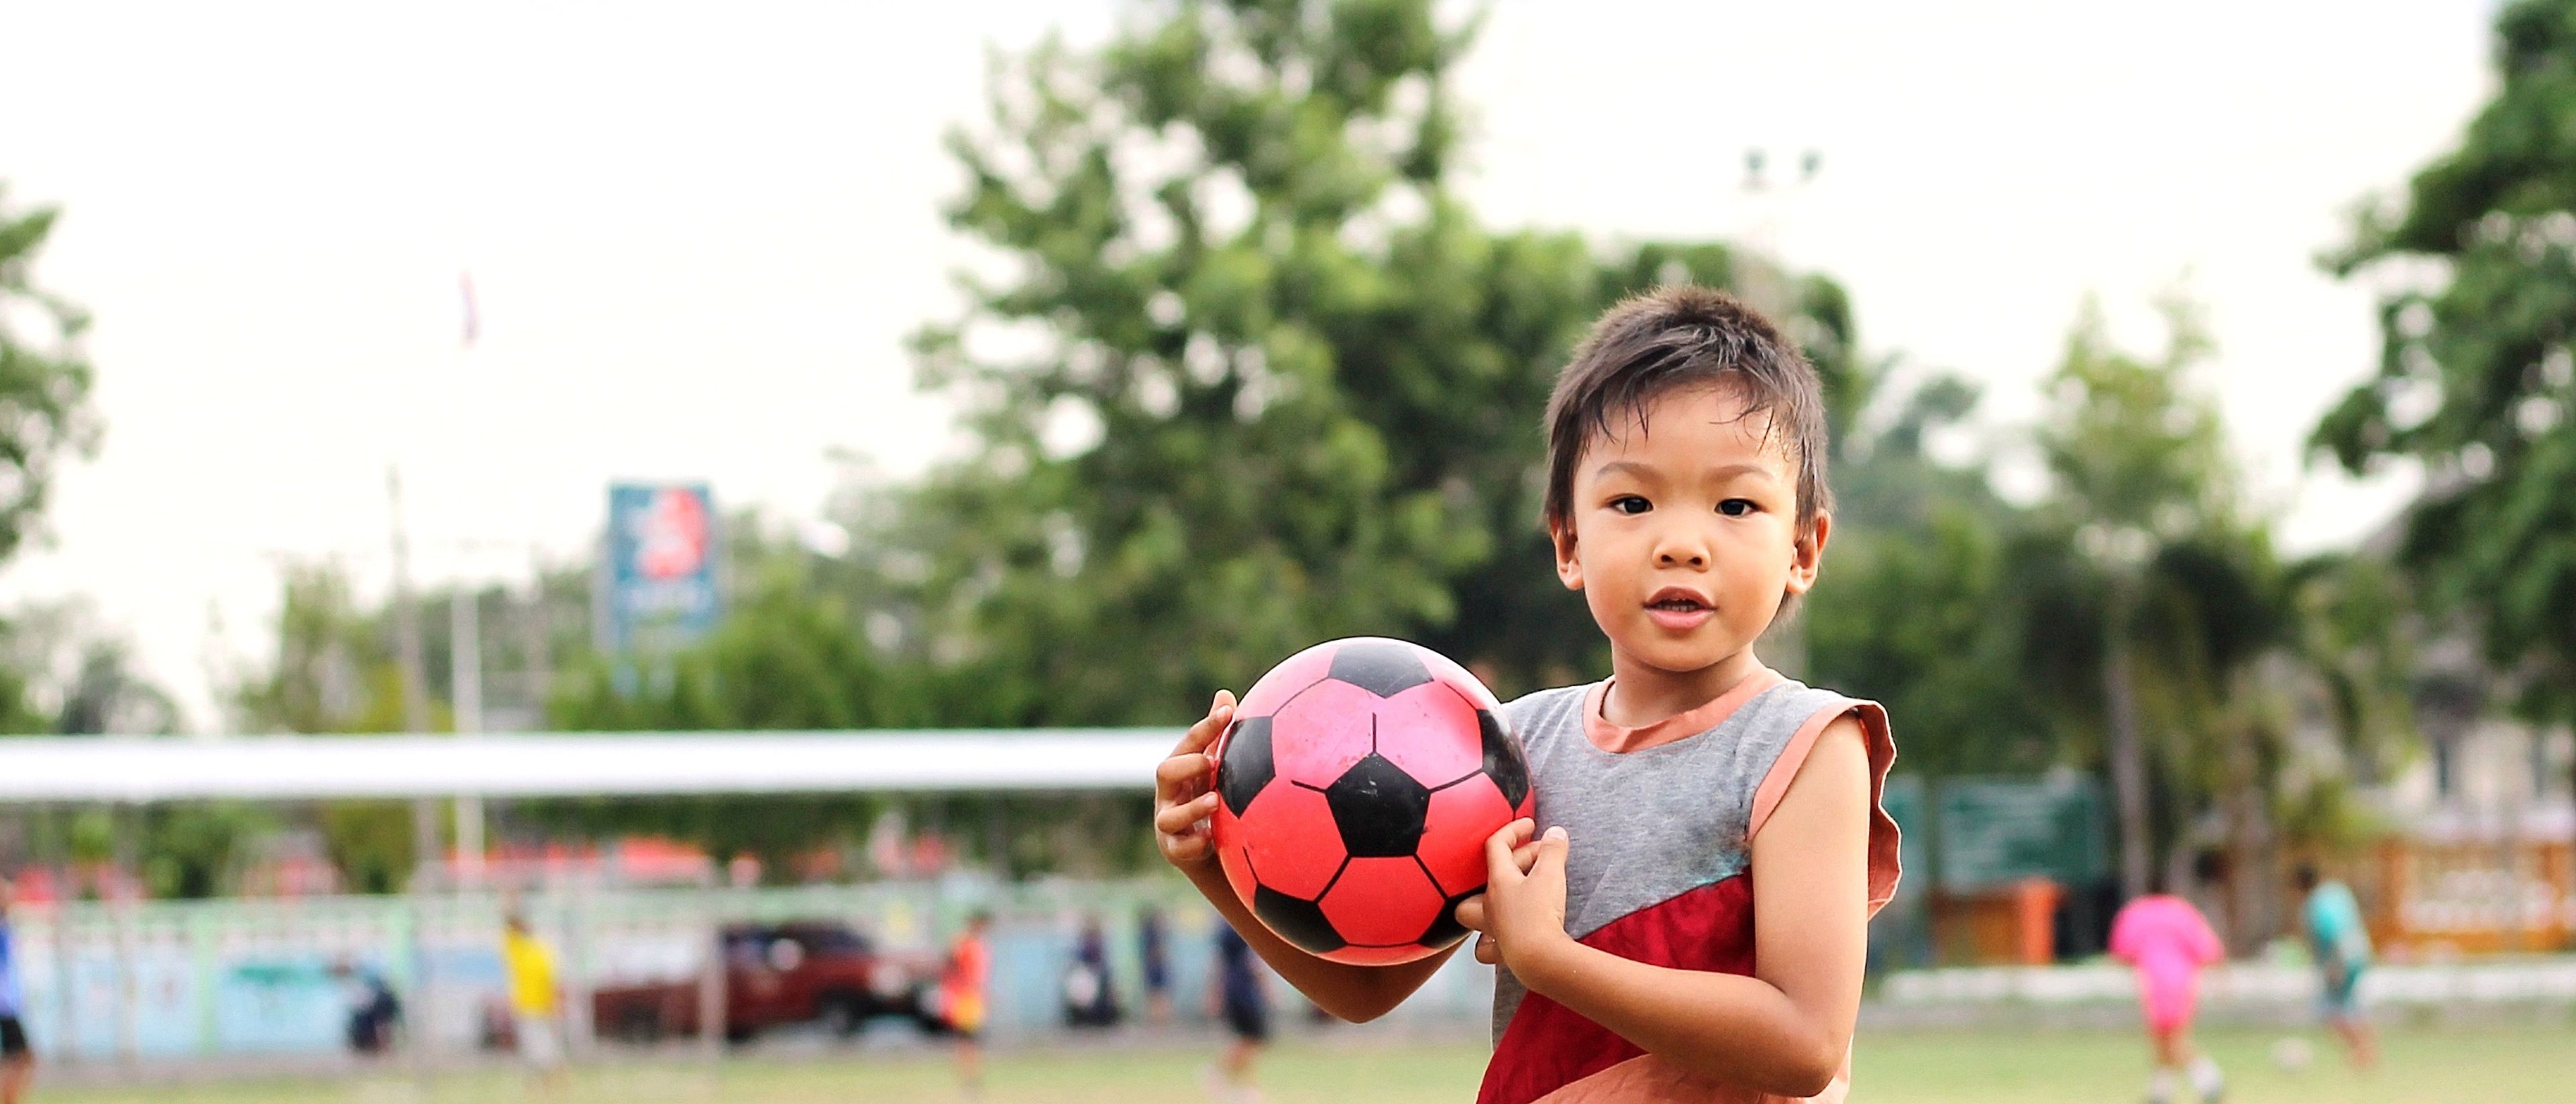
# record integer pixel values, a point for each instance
(1548, 1046)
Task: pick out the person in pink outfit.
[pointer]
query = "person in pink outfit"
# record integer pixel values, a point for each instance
(2169, 943)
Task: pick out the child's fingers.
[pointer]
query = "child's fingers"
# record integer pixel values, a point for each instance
(1550, 857)
(1182, 767)
(1500, 867)
(1471, 913)
(1190, 848)
(1220, 711)
(1179, 817)
(1488, 951)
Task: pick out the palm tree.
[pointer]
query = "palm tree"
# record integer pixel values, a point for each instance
(2139, 466)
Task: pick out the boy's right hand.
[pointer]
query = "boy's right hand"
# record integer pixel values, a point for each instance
(1184, 798)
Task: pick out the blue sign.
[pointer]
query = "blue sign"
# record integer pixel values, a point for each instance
(663, 554)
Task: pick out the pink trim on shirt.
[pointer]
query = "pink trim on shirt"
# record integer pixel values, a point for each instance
(1884, 844)
(1619, 739)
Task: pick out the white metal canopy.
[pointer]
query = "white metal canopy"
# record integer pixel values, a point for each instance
(556, 764)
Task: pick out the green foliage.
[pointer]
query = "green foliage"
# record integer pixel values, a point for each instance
(1253, 376)
(2138, 458)
(1923, 597)
(44, 377)
(2476, 379)
(333, 671)
(1241, 373)
(193, 850)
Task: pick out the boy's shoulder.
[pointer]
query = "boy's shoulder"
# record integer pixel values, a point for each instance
(1775, 699)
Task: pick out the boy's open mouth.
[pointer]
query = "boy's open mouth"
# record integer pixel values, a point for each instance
(1679, 609)
(1678, 600)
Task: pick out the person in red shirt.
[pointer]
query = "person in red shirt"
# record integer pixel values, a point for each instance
(961, 995)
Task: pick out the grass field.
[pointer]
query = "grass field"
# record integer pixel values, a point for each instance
(2521, 1063)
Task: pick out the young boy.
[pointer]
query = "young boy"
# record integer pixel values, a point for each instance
(2331, 920)
(1640, 957)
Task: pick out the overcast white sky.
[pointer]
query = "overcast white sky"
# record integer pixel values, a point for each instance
(700, 238)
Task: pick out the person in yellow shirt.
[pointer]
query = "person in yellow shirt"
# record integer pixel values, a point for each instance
(535, 1003)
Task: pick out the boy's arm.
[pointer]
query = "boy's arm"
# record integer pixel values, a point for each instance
(1787, 1029)
(1183, 802)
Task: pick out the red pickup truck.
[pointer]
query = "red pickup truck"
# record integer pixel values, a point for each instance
(777, 975)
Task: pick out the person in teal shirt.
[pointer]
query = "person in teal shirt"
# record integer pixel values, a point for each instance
(2341, 944)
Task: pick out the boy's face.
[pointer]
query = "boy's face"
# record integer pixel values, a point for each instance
(1684, 531)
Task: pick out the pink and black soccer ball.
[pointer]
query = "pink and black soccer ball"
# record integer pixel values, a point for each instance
(1357, 786)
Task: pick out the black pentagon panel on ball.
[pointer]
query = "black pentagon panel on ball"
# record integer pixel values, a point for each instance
(1445, 928)
(1379, 808)
(1381, 667)
(1246, 767)
(1297, 920)
(1503, 762)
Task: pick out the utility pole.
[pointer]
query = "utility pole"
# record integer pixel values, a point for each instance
(465, 673)
(424, 811)
(415, 683)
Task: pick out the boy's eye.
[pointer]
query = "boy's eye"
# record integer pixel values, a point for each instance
(1736, 507)
(1631, 504)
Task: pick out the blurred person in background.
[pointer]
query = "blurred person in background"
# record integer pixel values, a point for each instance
(1154, 956)
(1089, 999)
(373, 1008)
(2331, 920)
(1238, 997)
(2169, 943)
(535, 1001)
(962, 981)
(17, 1061)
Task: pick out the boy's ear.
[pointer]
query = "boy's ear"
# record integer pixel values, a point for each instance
(1568, 569)
(1807, 556)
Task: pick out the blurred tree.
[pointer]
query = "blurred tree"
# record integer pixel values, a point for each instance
(785, 657)
(194, 850)
(2169, 641)
(1927, 576)
(1243, 374)
(335, 673)
(794, 653)
(2139, 467)
(334, 670)
(44, 376)
(2476, 375)
(78, 677)
(44, 383)
(75, 677)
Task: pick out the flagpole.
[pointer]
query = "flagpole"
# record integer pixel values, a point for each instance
(465, 653)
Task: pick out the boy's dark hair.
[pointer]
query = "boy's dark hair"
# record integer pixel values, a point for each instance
(1676, 337)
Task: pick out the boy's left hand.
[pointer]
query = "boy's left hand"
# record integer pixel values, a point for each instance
(1522, 910)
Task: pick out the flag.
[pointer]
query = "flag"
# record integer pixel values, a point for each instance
(473, 322)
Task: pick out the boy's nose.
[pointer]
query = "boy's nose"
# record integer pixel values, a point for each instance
(1681, 553)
